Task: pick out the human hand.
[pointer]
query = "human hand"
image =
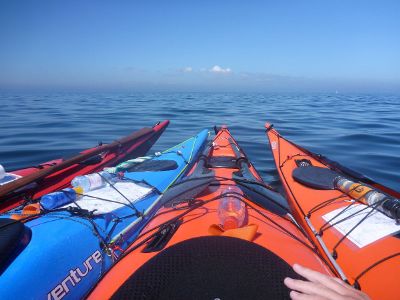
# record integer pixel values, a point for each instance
(320, 287)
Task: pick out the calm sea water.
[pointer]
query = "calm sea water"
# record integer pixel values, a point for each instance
(359, 131)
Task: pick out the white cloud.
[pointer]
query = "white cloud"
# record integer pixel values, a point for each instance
(218, 69)
(187, 69)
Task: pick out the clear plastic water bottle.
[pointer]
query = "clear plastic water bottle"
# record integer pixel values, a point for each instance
(2, 172)
(60, 198)
(93, 181)
(231, 210)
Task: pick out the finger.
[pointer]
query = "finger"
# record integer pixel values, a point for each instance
(311, 275)
(317, 277)
(298, 296)
(345, 284)
(311, 288)
(351, 291)
(340, 281)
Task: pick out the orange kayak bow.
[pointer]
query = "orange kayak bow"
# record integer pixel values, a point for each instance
(328, 200)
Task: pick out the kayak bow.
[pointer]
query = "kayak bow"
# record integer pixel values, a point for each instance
(33, 182)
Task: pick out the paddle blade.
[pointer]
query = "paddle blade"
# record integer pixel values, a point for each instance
(266, 198)
(315, 177)
(186, 189)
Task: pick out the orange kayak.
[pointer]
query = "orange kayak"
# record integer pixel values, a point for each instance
(184, 252)
(358, 235)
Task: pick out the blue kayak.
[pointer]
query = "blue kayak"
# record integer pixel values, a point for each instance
(62, 253)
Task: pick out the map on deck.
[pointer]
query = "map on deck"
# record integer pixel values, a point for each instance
(107, 199)
(373, 228)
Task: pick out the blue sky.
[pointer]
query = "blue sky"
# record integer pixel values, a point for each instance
(200, 45)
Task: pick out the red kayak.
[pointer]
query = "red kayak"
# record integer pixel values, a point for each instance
(33, 182)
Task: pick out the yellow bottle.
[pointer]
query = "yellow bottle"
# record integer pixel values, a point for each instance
(361, 192)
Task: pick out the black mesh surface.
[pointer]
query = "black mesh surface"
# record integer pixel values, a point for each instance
(210, 268)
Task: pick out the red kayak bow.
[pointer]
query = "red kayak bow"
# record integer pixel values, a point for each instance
(57, 174)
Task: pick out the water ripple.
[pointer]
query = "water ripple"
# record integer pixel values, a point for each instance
(360, 131)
